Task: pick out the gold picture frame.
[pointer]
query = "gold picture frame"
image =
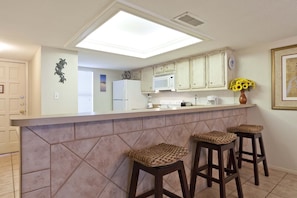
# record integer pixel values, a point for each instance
(1, 89)
(284, 77)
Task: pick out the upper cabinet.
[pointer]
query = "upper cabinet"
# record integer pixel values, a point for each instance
(183, 75)
(204, 72)
(216, 68)
(136, 74)
(164, 69)
(198, 72)
(210, 71)
(147, 79)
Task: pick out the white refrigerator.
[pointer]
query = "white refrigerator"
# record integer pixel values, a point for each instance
(127, 95)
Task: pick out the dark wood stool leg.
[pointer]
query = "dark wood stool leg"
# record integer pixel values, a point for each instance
(194, 171)
(158, 186)
(183, 180)
(221, 174)
(264, 155)
(209, 169)
(134, 180)
(240, 151)
(237, 179)
(255, 156)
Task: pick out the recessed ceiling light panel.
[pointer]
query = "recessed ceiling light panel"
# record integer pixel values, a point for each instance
(131, 35)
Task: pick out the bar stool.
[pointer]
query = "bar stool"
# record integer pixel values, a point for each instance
(251, 132)
(159, 160)
(219, 141)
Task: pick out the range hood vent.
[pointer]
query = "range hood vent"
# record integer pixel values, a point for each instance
(188, 19)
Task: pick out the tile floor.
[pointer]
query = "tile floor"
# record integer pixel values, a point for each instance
(277, 185)
(10, 175)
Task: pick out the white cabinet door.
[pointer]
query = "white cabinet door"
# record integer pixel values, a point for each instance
(164, 69)
(147, 79)
(216, 70)
(158, 70)
(136, 74)
(169, 68)
(198, 72)
(182, 75)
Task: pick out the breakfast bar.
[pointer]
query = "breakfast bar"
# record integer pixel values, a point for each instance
(84, 155)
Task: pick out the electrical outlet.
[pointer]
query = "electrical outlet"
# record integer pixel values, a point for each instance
(56, 95)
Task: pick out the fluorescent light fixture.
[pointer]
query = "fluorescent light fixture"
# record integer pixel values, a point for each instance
(4, 46)
(130, 35)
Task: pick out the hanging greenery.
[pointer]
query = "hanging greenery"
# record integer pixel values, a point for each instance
(58, 69)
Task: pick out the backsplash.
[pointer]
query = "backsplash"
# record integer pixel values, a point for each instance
(175, 98)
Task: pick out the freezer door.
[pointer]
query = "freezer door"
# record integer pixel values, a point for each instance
(119, 90)
(120, 105)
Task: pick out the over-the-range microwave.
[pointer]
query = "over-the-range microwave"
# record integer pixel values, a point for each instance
(164, 83)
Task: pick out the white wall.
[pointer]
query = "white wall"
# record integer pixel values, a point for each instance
(280, 129)
(34, 83)
(103, 100)
(67, 91)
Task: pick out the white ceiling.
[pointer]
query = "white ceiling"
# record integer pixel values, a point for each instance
(237, 24)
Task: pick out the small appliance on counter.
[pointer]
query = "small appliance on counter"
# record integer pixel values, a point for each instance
(149, 102)
(212, 100)
(185, 104)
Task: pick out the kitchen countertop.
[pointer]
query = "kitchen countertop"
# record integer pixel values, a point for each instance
(113, 115)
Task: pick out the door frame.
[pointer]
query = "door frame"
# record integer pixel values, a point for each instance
(26, 87)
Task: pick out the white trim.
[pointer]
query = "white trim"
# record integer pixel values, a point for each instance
(282, 169)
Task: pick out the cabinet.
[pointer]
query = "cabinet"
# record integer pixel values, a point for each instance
(136, 74)
(164, 69)
(182, 75)
(216, 70)
(147, 79)
(203, 72)
(198, 72)
(209, 72)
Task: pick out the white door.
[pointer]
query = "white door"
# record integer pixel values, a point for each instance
(85, 91)
(12, 102)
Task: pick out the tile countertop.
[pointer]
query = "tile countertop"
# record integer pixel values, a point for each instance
(89, 117)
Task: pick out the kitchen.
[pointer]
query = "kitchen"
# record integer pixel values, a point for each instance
(279, 124)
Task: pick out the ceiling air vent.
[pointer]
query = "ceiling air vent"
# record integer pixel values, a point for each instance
(188, 19)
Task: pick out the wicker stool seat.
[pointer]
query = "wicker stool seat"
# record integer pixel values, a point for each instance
(252, 132)
(220, 142)
(159, 160)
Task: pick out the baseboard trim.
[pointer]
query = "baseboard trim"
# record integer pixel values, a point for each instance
(283, 169)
